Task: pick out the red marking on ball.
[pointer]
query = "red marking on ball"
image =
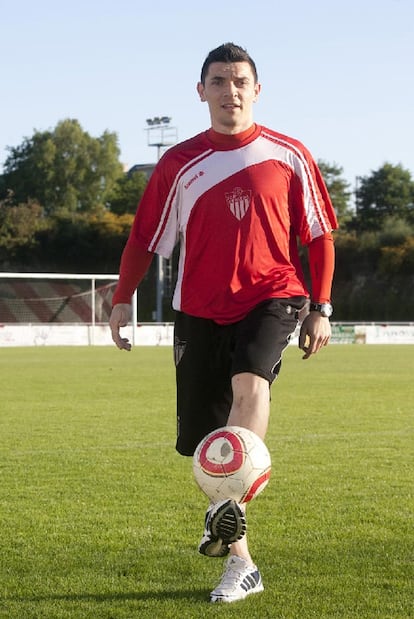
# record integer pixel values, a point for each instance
(222, 469)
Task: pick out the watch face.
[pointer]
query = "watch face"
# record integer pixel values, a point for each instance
(326, 309)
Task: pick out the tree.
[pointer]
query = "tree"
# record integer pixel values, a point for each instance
(19, 226)
(127, 193)
(84, 242)
(338, 189)
(388, 192)
(64, 169)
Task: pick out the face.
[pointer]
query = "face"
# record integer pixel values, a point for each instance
(230, 92)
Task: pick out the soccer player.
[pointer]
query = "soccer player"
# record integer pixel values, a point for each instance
(237, 198)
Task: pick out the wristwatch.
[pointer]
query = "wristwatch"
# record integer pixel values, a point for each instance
(325, 309)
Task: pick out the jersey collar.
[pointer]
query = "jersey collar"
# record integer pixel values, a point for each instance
(223, 141)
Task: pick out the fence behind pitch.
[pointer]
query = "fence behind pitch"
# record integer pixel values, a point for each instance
(55, 298)
(73, 309)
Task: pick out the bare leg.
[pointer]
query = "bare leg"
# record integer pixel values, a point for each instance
(251, 403)
(241, 549)
(250, 409)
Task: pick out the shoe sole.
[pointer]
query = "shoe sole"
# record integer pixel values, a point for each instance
(226, 600)
(227, 526)
(214, 548)
(228, 523)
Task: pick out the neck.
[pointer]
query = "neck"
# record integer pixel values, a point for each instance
(232, 139)
(231, 129)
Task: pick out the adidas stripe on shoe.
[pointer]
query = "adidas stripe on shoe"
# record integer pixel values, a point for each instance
(238, 581)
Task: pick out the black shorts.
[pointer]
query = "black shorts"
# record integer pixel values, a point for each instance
(208, 355)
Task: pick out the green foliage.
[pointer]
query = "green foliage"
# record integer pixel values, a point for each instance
(100, 517)
(374, 275)
(387, 192)
(85, 242)
(19, 226)
(395, 231)
(399, 259)
(127, 193)
(338, 189)
(63, 169)
(67, 205)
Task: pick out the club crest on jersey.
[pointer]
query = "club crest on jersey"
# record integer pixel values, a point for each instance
(238, 201)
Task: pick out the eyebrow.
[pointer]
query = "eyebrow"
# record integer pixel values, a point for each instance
(224, 77)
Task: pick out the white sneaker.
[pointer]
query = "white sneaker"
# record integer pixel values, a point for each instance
(225, 524)
(238, 581)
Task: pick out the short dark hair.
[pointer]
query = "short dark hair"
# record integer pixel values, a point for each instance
(228, 52)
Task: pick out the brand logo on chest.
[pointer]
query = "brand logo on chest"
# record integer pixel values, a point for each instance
(193, 179)
(238, 201)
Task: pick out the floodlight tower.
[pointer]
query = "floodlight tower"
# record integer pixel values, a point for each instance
(161, 135)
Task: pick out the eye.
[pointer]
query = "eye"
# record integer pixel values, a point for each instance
(241, 83)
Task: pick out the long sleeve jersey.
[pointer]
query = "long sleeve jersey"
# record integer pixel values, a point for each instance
(237, 205)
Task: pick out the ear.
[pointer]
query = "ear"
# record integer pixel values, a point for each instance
(257, 89)
(200, 90)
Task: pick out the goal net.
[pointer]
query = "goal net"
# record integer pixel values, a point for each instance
(55, 298)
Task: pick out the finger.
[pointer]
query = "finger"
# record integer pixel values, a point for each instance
(306, 347)
(314, 346)
(307, 351)
(125, 344)
(304, 340)
(121, 342)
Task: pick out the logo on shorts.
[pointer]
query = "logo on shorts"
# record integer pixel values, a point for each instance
(238, 201)
(179, 349)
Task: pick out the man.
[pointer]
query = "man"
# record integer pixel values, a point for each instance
(236, 198)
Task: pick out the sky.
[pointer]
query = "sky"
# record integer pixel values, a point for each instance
(338, 76)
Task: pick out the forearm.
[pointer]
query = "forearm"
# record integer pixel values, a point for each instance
(135, 262)
(322, 266)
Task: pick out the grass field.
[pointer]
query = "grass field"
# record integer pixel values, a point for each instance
(100, 518)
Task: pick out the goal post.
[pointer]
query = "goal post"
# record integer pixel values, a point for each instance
(60, 298)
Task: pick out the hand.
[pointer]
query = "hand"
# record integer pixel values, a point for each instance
(120, 316)
(315, 332)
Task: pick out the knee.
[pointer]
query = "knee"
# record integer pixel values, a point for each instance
(247, 386)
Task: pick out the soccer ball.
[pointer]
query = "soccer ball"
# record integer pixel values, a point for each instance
(232, 463)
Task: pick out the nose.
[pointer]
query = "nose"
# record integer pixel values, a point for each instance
(231, 89)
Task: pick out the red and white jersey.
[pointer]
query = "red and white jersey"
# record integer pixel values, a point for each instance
(236, 204)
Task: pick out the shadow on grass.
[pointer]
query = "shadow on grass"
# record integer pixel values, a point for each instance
(196, 595)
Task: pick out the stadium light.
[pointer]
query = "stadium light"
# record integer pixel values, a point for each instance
(161, 135)
(158, 120)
